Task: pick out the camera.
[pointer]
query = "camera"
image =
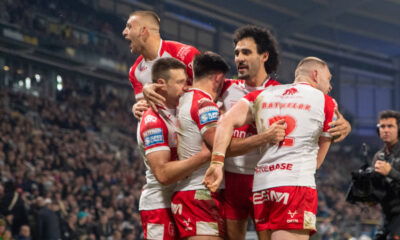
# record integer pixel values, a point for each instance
(367, 185)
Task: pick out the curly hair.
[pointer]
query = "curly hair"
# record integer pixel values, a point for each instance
(265, 42)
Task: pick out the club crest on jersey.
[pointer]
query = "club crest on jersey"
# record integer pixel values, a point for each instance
(149, 119)
(290, 91)
(153, 136)
(208, 114)
(142, 68)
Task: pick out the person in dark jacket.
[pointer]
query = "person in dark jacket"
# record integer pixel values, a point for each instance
(48, 227)
(387, 163)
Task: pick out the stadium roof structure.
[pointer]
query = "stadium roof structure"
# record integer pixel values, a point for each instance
(361, 25)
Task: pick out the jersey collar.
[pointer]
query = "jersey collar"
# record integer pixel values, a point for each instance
(205, 93)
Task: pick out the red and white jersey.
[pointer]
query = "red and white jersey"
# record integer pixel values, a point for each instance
(232, 92)
(140, 72)
(157, 133)
(196, 114)
(307, 112)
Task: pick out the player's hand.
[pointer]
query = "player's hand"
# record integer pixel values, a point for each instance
(139, 108)
(152, 97)
(276, 132)
(340, 128)
(382, 167)
(214, 176)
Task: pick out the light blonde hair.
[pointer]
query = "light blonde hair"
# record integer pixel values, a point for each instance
(308, 63)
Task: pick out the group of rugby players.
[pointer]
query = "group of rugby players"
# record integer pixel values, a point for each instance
(219, 150)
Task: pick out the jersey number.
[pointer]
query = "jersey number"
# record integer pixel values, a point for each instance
(290, 126)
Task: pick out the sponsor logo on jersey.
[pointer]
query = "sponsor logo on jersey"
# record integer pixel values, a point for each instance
(270, 195)
(149, 119)
(290, 91)
(208, 114)
(273, 167)
(142, 68)
(153, 136)
(183, 52)
(292, 105)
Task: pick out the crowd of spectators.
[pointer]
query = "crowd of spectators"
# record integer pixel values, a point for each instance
(62, 173)
(58, 25)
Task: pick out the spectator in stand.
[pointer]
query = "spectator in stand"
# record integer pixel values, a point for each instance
(48, 222)
(24, 233)
(5, 233)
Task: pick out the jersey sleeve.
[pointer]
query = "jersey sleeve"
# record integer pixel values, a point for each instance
(154, 134)
(329, 110)
(205, 114)
(250, 98)
(136, 85)
(186, 54)
(227, 84)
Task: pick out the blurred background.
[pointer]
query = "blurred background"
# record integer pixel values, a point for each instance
(68, 158)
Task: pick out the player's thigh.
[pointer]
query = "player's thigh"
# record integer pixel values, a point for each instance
(290, 235)
(236, 229)
(238, 201)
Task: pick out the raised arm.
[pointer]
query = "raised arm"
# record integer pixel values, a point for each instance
(237, 116)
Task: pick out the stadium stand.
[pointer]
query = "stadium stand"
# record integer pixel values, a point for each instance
(70, 157)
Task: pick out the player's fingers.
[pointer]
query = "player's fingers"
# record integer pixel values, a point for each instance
(280, 122)
(212, 187)
(158, 97)
(339, 139)
(154, 100)
(338, 114)
(153, 106)
(137, 114)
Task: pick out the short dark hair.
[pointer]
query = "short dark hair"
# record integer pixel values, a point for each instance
(162, 66)
(265, 42)
(390, 114)
(148, 14)
(209, 63)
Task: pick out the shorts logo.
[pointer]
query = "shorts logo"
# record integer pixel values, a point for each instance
(187, 225)
(292, 215)
(176, 208)
(153, 136)
(149, 119)
(309, 220)
(207, 228)
(171, 229)
(270, 195)
(208, 114)
(202, 194)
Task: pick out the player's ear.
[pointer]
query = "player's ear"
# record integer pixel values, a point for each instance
(161, 81)
(265, 56)
(314, 76)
